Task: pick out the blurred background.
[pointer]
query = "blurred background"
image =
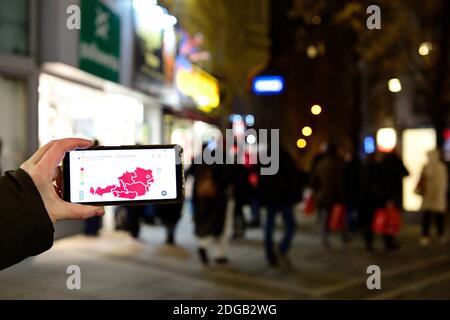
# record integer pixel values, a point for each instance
(360, 94)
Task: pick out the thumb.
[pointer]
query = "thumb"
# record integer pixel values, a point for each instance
(72, 211)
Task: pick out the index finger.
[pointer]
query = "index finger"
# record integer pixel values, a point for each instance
(41, 151)
(53, 157)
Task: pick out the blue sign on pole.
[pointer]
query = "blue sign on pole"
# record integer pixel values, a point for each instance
(268, 85)
(369, 145)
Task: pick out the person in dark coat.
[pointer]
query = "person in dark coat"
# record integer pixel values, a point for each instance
(352, 171)
(327, 181)
(371, 196)
(30, 203)
(93, 225)
(209, 203)
(278, 193)
(242, 190)
(392, 173)
(135, 213)
(169, 215)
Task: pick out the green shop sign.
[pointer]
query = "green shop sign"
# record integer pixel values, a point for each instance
(99, 49)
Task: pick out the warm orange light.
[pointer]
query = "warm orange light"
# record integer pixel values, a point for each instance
(200, 86)
(394, 85)
(386, 139)
(425, 48)
(311, 51)
(306, 131)
(301, 143)
(316, 109)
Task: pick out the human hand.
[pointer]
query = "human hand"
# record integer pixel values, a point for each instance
(43, 168)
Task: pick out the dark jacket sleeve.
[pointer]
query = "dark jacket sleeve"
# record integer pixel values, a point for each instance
(25, 227)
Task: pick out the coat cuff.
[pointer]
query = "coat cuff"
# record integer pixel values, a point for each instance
(40, 226)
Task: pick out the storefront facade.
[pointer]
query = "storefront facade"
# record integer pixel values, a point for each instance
(18, 81)
(86, 80)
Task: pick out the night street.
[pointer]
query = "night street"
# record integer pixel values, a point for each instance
(241, 151)
(118, 267)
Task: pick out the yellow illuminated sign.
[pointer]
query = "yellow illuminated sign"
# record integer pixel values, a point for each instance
(200, 86)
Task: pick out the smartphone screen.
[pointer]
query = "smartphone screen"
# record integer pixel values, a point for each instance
(129, 175)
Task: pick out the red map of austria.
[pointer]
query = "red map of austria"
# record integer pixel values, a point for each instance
(131, 185)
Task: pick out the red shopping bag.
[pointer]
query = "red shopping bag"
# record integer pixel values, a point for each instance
(379, 221)
(336, 221)
(309, 207)
(387, 221)
(394, 221)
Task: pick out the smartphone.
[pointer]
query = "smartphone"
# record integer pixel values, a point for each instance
(124, 175)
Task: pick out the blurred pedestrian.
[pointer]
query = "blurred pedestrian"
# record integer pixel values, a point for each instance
(392, 171)
(135, 213)
(241, 195)
(93, 225)
(278, 193)
(371, 196)
(352, 171)
(433, 187)
(209, 202)
(169, 215)
(245, 193)
(327, 182)
(253, 180)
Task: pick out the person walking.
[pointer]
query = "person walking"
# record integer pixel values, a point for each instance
(352, 172)
(169, 215)
(135, 214)
(371, 197)
(278, 194)
(392, 172)
(209, 203)
(327, 182)
(433, 187)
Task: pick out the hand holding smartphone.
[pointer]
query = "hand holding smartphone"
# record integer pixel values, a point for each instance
(124, 175)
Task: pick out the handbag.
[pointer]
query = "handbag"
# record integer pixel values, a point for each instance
(420, 187)
(387, 221)
(394, 222)
(309, 207)
(336, 221)
(379, 221)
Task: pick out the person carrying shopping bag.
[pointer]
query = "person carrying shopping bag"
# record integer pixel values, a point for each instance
(432, 187)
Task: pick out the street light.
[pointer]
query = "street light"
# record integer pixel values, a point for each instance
(394, 85)
(251, 139)
(311, 51)
(386, 139)
(316, 20)
(425, 48)
(316, 109)
(249, 120)
(306, 131)
(301, 143)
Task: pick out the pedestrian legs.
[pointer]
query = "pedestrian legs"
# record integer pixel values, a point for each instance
(440, 224)
(289, 225)
(323, 225)
(268, 239)
(426, 220)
